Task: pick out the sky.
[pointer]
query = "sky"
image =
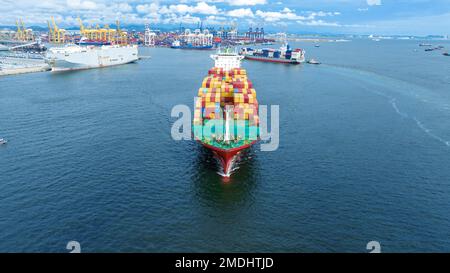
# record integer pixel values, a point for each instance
(382, 17)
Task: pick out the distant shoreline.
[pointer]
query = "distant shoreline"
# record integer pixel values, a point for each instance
(317, 40)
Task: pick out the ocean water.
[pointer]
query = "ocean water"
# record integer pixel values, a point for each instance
(364, 155)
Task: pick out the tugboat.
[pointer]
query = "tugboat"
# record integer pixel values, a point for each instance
(226, 117)
(313, 61)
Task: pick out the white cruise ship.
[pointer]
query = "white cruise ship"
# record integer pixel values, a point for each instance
(72, 57)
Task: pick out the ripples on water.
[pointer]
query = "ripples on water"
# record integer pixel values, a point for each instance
(361, 157)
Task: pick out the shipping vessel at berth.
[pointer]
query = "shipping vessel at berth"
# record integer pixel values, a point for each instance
(179, 45)
(283, 55)
(226, 117)
(72, 57)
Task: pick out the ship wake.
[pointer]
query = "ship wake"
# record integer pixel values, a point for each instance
(233, 166)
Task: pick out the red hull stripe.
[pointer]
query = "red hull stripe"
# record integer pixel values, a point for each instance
(226, 156)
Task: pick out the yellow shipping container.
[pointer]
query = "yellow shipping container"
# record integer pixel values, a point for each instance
(198, 103)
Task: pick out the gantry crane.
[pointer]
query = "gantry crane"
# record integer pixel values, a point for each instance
(58, 36)
(97, 33)
(50, 32)
(24, 31)
(19, 33)
(122, 36)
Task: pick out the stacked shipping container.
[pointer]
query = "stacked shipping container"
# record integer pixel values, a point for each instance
(221, 89)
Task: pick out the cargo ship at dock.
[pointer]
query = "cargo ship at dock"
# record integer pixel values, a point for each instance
(199, 39)
(226, 119)
(179, 45)
(284, 55)
(74, 57)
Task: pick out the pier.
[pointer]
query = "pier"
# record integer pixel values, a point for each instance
(20, 64)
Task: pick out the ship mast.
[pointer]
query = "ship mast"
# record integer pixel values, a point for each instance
(227, 136)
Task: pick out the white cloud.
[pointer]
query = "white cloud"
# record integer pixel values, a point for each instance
(185, 19)
(288, 14)
(246, 2)
(274, 16)
(324, 14)
(374, 2)
(200, 8)
(78, 4)
(319, 23)
(124, 7)
(241, 13)
(214, 20)
(204, 8)
(147, 8)
(102, 12)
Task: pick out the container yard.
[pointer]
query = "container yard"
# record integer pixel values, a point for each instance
(22, 40)
(115, 33)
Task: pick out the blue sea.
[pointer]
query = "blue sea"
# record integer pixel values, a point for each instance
(364, 155)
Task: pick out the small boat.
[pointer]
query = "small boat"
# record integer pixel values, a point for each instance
(446, 54)
(429, 49)
(313, 61)
(317, 45)
(3, 141)
(425, 44)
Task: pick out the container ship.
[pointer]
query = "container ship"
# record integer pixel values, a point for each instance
(226, 117)
(73, 57)
(283, 55)
(180, 45)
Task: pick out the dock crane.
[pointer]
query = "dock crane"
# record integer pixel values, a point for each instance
(19, 33)
(24, 31)
(82, 29)
(58, 34)
(23, 34)
(50, 33)
(98, 33)
(122, 35)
